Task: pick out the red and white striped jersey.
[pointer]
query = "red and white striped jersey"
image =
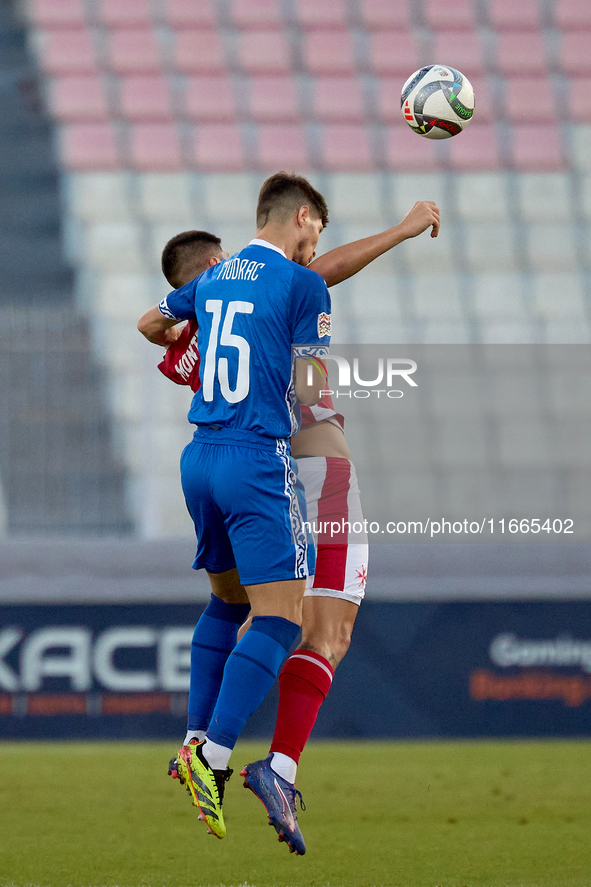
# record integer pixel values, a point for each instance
(323, 411)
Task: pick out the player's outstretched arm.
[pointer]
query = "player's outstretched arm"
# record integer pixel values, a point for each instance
(159, 329)
(344, 261)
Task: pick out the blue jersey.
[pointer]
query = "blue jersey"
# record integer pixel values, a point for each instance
(255, 311)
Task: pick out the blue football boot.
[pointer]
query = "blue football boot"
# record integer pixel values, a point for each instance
(279, 798)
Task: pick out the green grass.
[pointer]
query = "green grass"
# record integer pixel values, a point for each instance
(454, 814)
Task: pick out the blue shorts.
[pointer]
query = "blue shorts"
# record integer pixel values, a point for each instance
(240, 490)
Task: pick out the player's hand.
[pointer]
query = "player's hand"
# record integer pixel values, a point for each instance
(170, 335)
(423, 215)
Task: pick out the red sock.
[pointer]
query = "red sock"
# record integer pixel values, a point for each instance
(303, 685)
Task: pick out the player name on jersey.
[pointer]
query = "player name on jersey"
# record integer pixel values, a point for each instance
(240, 269)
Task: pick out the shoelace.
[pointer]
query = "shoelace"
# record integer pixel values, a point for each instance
(221, 777)
(295, 803)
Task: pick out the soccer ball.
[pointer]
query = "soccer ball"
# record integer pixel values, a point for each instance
(437, 102)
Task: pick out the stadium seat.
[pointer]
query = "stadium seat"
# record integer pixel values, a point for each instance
(246, 14)
(123, 295)
(235, 237)
(230, 196)
(355, 198)
(123, 13)
(580, 139)
(387, 98)
(185, 13)
(199, 52)
(91, 146)
(564, 331)
(217, 147)
(57, 14)
(442, 332)
(166, 197)
(507, 332)
(338, 99)
(385, 299)
(210, 98)
(449, 16)
(463, 48)
(529, 99)
(499, 295)
(160, 231)
(545, 197)
(133, 50)
(565, 397)
(100, 196)
(81, 97)
(490, 247)
(273, 99)
(393, 52)
(552, 246)
(433, 256)
(264, 52)
(327, 14)
(355, 229)
(458, 451)
(537, 147)
(410, 187)
(346, 148)
(405, 150)
(67, 51)
(482, 196)
(585, 196)
(433, 300)
(378, 15)
(113, 246)
(145, 98)
(283, 147)
(579, 99)
(155, 146)
(329, 52)
(475, 149)
(560, 294)
(574, 55)
(521, 52)
(508, 14)
(572, 14)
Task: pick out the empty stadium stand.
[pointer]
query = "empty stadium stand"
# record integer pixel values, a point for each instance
(57, 466)
(169, 115)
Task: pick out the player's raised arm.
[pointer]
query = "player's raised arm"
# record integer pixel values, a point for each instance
(344, 261)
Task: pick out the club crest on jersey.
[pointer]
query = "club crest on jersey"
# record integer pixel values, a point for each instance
(324, 324)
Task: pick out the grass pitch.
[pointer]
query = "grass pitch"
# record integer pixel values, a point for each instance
(426, 814)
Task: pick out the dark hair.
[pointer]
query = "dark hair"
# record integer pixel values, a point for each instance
(185, 253)
(283, 194)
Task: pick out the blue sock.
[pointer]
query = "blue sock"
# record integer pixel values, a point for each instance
(249, 674)
(213, 641)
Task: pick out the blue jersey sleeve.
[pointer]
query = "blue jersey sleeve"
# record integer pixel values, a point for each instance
(312, 312)
(180, 304)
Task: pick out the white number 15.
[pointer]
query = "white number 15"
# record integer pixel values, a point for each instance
(227, 337)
